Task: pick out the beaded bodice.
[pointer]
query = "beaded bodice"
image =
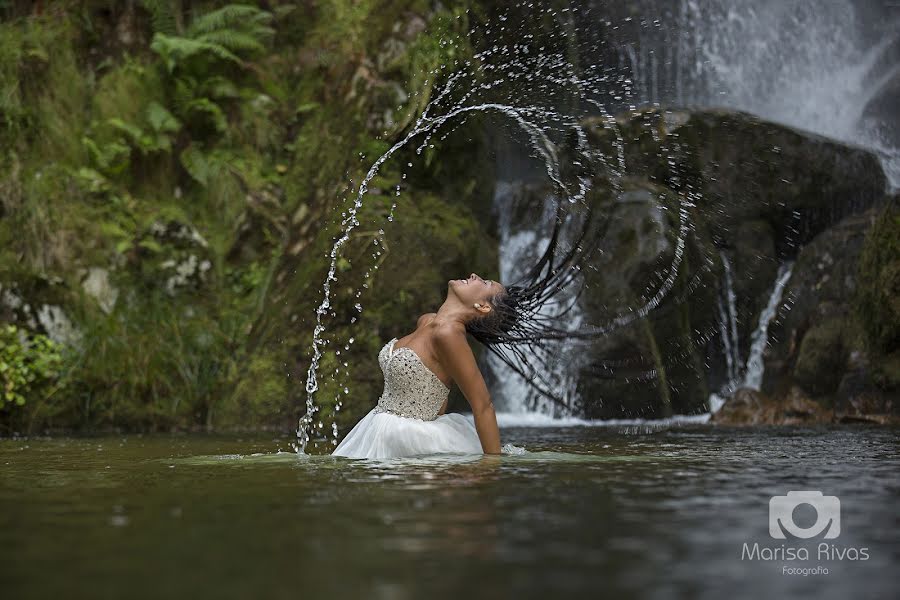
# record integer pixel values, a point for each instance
(410, 388)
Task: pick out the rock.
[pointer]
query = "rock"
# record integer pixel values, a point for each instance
(762, 192)
(744, 407)
(822, 344)
(38, 303)
(96, 284)
(650, 366)
(750, 407)
(821, 358)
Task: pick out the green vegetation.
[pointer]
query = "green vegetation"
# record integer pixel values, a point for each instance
(169, 177)
(878, 302)
(28, 362)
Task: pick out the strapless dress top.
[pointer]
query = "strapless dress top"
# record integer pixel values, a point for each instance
(410, 388)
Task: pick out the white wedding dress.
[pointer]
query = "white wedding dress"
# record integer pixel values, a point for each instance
(405, 422)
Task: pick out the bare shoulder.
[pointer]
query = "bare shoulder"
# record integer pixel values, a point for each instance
(425, 319)
(449, 339)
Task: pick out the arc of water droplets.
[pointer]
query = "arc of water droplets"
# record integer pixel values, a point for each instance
(540, 141)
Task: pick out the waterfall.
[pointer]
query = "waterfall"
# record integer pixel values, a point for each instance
(831, 68)
(754, 368)
(753, 371)
(728, 323)
(807, 64)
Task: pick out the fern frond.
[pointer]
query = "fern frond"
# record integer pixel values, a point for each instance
(183, 94)
(219, 87)
(227, 16)
(211, 109)
(195, 163)
(132, 132)
(175, 50)
(162, 15)
(161, 120)
(234, 41)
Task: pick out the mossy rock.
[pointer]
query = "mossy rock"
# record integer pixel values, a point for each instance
(822, 357)
(878, 299)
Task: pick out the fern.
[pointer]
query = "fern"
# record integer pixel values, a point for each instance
(161, 120)
(177, 50)
(232, 15)
(111, 159)
(219, 87)
(197, 165)
(207, 107)
(234, 41)
(162, 15)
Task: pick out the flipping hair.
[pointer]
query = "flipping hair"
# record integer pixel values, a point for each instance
(517, 330)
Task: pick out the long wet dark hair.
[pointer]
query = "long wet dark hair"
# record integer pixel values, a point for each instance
(517, 330)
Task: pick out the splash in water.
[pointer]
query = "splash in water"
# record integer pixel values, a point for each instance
(492, 82)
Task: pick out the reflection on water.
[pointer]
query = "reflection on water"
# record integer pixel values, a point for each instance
(637, 510)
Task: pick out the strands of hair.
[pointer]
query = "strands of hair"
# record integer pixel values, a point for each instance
(520, 330)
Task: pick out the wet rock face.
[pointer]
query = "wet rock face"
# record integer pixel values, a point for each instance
(823, 345)
(764, 194)
(648, 367)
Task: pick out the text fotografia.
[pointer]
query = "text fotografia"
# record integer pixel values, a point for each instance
(782, 526)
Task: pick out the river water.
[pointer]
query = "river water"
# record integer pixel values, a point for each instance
(650, 511)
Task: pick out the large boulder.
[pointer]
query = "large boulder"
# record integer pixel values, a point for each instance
(762, 190)
(759, 193)
(651, 365)
(837, 341)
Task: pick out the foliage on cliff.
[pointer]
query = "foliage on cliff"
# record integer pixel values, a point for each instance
(169, 181)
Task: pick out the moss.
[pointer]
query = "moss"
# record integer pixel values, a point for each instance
(878, 294)
(822, 358)
(260, 396)
(886, 372)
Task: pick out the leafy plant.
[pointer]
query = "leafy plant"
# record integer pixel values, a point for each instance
(27, 362)
(200, 67)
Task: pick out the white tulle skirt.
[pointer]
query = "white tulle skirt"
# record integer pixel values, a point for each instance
(386, 435)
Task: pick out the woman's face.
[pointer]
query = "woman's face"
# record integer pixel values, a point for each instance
(474, 289)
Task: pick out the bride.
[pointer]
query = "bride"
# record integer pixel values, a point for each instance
(508, 320)
(419, 369)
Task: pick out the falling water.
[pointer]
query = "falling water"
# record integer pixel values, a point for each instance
(753, 371)
(754, 368)
(831, 68)
(728, 322)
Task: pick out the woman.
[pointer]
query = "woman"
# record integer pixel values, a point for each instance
(507, 320)
(419, 369)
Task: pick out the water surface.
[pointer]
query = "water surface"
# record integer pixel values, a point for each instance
(636, 510)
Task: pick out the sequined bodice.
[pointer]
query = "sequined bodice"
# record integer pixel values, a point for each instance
(410, 388)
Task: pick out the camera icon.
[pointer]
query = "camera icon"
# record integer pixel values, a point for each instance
(781, 515)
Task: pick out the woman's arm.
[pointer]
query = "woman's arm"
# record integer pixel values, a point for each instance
(456, 355)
